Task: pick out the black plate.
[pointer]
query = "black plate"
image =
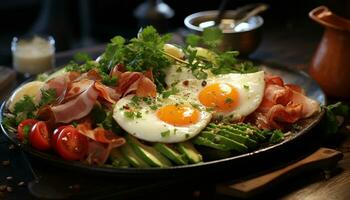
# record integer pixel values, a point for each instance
(211, 167)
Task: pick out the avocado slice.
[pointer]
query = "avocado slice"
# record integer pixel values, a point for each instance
(132, 158)
(191, 153)
(148, 153)
(118, 159)
(168, 151)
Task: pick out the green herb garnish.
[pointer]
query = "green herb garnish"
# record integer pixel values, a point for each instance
(165, 133)
(47, 97)
(168, 93)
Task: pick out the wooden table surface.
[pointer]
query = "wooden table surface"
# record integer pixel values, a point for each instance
(286, 49)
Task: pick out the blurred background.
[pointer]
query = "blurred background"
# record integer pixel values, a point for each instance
(83, 23)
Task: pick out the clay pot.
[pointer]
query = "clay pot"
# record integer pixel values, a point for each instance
(330, 66)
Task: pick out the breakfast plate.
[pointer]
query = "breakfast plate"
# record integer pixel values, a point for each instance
(147, 108)
(289, 75)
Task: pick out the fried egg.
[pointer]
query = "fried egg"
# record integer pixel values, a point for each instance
(167, 120)
(229, 95)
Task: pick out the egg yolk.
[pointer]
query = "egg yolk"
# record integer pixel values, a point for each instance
(178, 115)
(220, 96)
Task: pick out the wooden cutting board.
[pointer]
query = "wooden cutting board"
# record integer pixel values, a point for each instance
(323, 158)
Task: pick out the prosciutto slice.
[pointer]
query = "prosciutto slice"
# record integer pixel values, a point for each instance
(100, 144)
(107, 93)
(136, 82)
(60, 85)
(282, 104)
(76, 108)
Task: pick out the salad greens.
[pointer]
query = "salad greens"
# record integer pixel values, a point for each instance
(145, 52)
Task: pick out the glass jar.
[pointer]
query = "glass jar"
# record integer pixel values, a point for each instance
(33, 55)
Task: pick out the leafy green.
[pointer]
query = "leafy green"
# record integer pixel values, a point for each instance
(193, 40)
(9, 121)
(212, 37)
(42, 77)
(329, 124)
(25, 105)
(82, 57)
(114, 54)
(140, 54)
(72, 66)
(47, 97)
(26, 131)
(276, 137)
(98, 114)
(223, 63)
(110, 124)
(168, 93)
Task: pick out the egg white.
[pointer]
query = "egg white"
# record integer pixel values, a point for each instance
(250, 87)
(150, 128)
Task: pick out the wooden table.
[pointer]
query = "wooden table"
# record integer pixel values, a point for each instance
(286, 49)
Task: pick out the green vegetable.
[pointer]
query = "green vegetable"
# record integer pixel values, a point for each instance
(211, 38)
(26, 131)
(47, 97)
(227, 142)
(165, 133)
(147, 153)
(170, 92)
(168, 151)
(191, 153)
(139, 54)
(82, 57)
(276, 137)
(223, 63)
(329, 124)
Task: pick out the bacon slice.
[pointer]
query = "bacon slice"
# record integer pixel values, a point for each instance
(282, 104)
(76, 108)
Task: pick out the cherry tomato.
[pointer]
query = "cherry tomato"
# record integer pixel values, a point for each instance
(23, 134)
(71, 145)
(55, 135)
(39, 136)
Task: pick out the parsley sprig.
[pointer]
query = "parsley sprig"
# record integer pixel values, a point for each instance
(221, 63)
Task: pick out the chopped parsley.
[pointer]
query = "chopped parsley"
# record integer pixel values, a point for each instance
(246, 87)
(154, 107)
(228, 100)
(132, 115)
(168, 93)
(165, 133)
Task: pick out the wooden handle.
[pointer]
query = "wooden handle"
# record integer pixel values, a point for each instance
(322, 158)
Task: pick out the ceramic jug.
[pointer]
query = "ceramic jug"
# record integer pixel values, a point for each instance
(330, 65)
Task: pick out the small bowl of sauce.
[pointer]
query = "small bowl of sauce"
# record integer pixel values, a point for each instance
(33, 55)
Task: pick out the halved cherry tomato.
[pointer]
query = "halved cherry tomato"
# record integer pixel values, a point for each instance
(39, 136)
(55, 135)
(71, 145)
(23, 134)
